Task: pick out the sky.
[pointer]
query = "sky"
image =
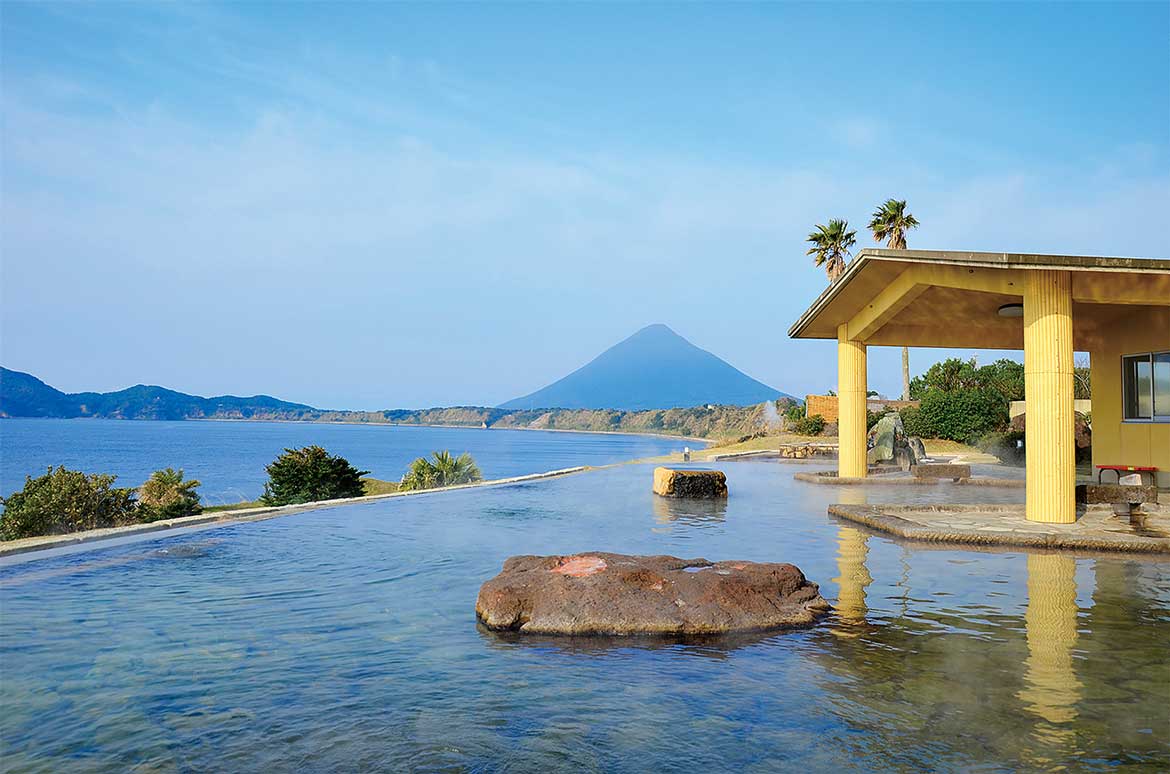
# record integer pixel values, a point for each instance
(372, 206)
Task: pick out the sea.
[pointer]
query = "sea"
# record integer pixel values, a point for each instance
(229, 458)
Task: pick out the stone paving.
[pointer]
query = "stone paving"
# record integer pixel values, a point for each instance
(1096, 528)
(830, 477)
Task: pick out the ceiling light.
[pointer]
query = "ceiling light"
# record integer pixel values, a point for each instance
(1011, 310)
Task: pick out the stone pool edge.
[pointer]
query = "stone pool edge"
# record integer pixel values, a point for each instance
(899, 520)
(47, 542)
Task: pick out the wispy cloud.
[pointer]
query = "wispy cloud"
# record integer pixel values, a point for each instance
(322, 221)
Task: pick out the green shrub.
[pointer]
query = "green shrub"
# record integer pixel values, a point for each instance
(795, 413)
(310, 474)
(442, 470)
(64, 501)
(166, 495)
(914, 424)
(961, 415)
(813, 425)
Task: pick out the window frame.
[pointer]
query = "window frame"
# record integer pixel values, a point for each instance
(1154, 417)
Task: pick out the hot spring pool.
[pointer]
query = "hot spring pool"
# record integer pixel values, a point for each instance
(345, 639)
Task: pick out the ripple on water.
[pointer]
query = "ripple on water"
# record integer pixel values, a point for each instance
(345, 639)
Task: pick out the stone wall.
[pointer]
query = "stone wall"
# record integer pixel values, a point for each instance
(826, 405)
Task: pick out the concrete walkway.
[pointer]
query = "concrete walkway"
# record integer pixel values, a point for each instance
(1096, 529)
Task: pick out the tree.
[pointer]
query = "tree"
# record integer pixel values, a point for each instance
(831, 245)
(889, 224)
(310, 474)
(1082, 381)
(1004, 376)
(165, 495)
(64, 501)
(442, 470)
(945, 376)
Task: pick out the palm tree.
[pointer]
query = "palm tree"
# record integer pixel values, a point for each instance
(830, 246)
(442, 470)
(889, 224)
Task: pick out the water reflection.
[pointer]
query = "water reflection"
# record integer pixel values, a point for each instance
(345, 639)
(1051, 688)
(852, 579)
(716, 646)
(694, 513)
(937, 654)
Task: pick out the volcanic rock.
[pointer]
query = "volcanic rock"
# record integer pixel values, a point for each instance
(616, 594)
(704, 484)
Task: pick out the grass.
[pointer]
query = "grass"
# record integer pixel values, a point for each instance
(371, 486)
(376, 486)
(766, 443)
(943, 446)
(233, 506)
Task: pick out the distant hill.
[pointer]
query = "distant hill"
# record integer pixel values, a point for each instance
(24, 395)
(653, 369)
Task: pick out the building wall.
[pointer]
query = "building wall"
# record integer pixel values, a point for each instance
(826, 405)
(1116, 442)
(1017, 407)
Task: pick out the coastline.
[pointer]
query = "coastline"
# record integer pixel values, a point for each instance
(692, 439)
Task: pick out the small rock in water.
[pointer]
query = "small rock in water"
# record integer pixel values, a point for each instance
(700, 484)
(603, 593)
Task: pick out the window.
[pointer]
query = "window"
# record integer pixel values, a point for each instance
(1145, 386)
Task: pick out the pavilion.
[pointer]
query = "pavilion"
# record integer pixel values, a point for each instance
(1050, 306)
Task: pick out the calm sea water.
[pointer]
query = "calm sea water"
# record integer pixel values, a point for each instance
(229, 457)
(345, 640)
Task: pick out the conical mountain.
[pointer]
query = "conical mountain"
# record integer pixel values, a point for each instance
(654, 368)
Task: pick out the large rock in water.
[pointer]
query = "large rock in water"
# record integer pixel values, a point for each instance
(602, 593)
(690, 482)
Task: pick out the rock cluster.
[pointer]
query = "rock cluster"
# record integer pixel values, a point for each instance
(692, 483)
(615, 594)
(888, 443)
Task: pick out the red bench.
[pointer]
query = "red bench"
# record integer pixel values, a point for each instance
(1119, 469)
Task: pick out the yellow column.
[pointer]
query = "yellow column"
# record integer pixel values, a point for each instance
(850, 406)
(1048, 388)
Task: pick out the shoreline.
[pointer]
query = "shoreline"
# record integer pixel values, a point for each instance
(81, 540)
(429, 424)
(692, 439)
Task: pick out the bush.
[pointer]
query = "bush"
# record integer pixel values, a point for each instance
(166, 495)
(443, 470)
(962, 415)
(813, 425)
(914, 424)
(64, 501)
(310, 474)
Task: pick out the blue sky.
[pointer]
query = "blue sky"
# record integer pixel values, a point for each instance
(371, 206)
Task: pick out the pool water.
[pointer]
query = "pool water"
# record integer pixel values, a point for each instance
(345, 639)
